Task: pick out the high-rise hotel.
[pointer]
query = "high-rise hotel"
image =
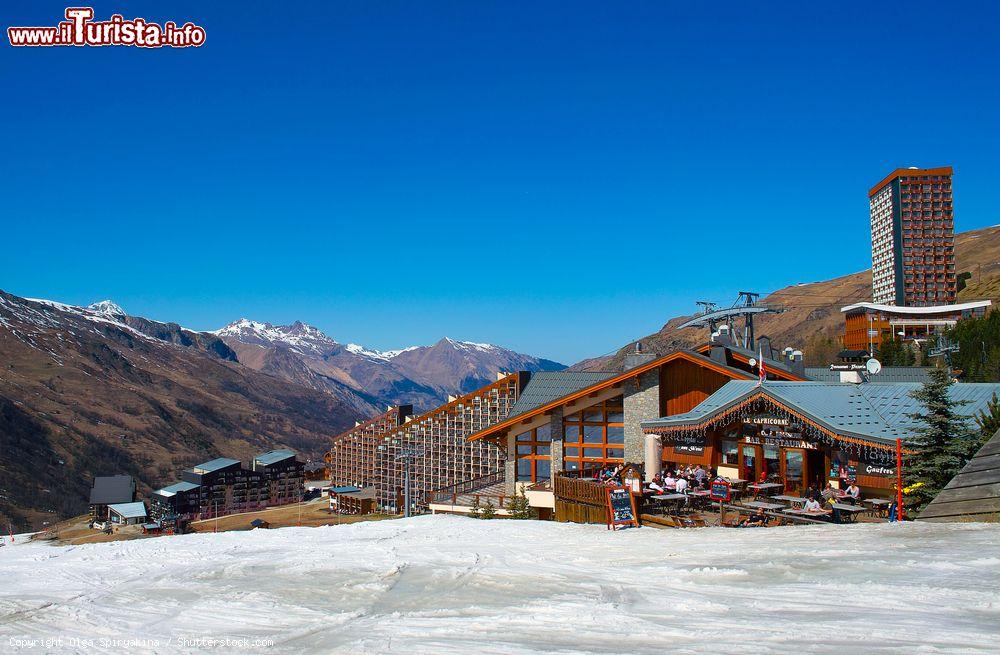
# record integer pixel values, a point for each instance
(913, 238)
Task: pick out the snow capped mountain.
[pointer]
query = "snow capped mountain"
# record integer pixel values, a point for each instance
(420, 375)
(107, 308)
(298, 336)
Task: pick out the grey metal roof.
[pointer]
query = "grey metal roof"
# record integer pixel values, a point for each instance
(344, 490)
(974, 492)
(135, 510)
(214, 465)
(274, 456)
(547, 386)
(176, 487)
(889, 374)
(873, 411)
(111, 489)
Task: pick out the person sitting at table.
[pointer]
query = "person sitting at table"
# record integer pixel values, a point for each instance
(852, 494)
(681, 485)
(699, 475)
(829, 492)
(670, 482)
(755, 520)
(812, 505)
(657, 484)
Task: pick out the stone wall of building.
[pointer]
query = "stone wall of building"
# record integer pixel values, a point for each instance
(556, 431)
(641, 404)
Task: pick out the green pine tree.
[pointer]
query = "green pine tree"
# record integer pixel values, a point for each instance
(489, 510)
(518, 506)
(941, 442)
(476, 511)
(988, 421)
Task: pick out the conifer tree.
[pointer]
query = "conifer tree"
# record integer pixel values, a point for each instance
(518, 506)
(988, 421)
(489, 511)
(941, 441)
(476, 511)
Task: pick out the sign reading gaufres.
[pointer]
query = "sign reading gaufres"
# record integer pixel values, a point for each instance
(880, 463)
(80, 29)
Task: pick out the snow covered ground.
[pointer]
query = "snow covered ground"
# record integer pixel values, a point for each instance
(455, 585)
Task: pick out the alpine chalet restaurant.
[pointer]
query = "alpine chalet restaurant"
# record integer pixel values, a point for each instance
(803, 434)
(567, 424)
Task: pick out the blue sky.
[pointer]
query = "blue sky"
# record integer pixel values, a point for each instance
(557, 178)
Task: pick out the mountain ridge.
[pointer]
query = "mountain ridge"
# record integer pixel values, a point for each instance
(85, 394)
(423, 376)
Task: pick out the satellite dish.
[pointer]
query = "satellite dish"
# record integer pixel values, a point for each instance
(752, 361)
(873, 366)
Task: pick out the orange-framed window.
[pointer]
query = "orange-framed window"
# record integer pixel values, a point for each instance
(595, 435)
(534, 449)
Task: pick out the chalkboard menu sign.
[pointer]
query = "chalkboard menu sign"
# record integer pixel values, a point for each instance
(720, 490)
(621, 508)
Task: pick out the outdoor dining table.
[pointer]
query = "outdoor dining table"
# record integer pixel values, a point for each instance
(765, 487)
(806, 512)
(791, 500)
(880, 506)
(851, 511)
(669, 498)
(757, 504)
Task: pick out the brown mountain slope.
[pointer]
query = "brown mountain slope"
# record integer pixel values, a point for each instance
(812, 321)
(83, 394)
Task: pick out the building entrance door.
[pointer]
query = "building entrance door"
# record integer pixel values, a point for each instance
(748, 462)
(794, 470)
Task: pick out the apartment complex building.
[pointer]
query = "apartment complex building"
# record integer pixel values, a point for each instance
(913, 238)
(223, 486)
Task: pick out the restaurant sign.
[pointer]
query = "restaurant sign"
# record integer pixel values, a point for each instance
(767, 419)
(880, 463)
(720, 490)
(780, 440)
(689, 445)
(621, 508)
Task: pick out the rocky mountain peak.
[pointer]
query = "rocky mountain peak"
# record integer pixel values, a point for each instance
(107, 308)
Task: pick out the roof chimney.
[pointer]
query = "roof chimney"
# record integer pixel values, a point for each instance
(637, 357)
(797, 363)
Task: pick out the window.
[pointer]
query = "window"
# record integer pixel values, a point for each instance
(730, 453)
(533, 449)
(595, 436)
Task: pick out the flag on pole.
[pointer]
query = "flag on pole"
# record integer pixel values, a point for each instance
(761, 369)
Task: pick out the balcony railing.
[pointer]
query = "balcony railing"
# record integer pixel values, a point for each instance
(579, 487)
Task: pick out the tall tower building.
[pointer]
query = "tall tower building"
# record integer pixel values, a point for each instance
(913, 238)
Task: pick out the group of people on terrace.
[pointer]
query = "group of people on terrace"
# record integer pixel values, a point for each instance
(679, 480)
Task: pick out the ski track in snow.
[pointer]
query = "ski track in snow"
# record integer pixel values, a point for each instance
(456, 585)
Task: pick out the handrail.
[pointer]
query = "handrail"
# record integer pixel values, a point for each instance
(466, 486)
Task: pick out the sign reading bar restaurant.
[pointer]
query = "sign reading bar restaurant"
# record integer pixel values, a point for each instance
(689, 445)
(784, 440)
(621, 508)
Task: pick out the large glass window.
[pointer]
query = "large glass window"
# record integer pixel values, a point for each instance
(533, 449)
(730, 453)
(595, 436)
